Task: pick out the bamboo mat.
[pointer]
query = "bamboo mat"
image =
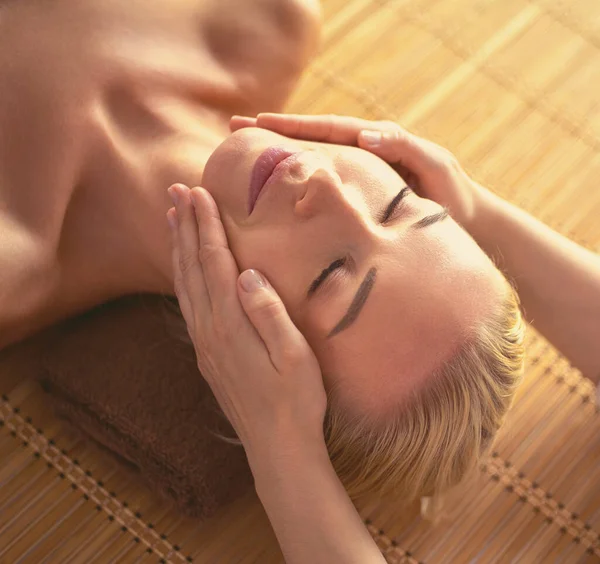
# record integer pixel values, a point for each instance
(512, 87)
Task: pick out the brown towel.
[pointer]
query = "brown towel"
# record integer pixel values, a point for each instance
(122, 375)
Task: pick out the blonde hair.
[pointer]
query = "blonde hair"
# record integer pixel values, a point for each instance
(441, 433)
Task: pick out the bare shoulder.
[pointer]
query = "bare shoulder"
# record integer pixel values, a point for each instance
(266, 44)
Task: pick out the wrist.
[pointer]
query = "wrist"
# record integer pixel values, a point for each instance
(485, 207)
(284, 457)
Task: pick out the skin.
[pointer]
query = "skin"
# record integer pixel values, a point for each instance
(71, 240)
(531, 253)
(558, 281)
(329, 205)
(140, 127)
(103, 106)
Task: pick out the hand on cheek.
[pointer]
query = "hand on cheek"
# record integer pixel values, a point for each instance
(259, 366)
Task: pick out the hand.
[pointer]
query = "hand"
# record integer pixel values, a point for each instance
(431, 170)
(258, 365)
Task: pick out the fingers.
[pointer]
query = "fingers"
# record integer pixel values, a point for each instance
(218, 265)
(180, 292)
(386, 139)
(269, 317)
(189, 266)
(239, 122)
(340, 130)
(399, 146)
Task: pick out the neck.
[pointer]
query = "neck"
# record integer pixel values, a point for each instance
(180, 158)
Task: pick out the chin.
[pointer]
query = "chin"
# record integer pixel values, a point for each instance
(228, 170)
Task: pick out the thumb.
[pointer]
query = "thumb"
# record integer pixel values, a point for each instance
(269, 317)
(399, 146)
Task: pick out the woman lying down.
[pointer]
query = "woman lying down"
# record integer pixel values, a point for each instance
(337, 276)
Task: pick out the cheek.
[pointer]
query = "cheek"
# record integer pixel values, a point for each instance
(227, 182)
(372, 174)
(267, 252)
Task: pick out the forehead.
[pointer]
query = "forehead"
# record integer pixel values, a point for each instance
(423, 307)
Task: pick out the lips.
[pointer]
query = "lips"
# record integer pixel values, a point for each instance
(262, 171)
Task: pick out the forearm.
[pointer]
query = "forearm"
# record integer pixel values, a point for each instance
(310, 511)
(558, 281)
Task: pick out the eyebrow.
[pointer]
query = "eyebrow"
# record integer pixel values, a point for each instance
(431, 219)
(397, 199)
(357, 303)
(366, 285)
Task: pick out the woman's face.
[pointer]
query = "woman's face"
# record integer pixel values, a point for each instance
(382, 301)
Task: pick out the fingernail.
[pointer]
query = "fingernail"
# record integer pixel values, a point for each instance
(372, 138)
(251, 280)
(174, 195)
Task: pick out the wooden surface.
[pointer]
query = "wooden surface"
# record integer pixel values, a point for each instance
(513, 88)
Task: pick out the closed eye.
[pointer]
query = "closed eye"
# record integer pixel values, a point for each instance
(339, 263)
(395, 204)
(393, 207)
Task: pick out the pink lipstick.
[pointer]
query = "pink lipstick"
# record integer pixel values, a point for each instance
(263, 169)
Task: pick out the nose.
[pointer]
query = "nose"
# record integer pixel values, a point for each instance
(323, 193)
